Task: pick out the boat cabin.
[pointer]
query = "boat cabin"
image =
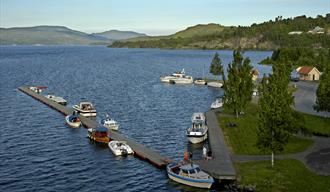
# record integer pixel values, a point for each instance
(99, 134)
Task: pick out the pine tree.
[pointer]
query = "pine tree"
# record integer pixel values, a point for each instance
(238, 87)
(276, 117)
(323, 92)
(216, 67)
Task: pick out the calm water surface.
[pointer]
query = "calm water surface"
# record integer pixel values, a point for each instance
(38, 152)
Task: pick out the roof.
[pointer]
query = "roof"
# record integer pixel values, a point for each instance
(255, 72)
(304, 69)
(101, 129)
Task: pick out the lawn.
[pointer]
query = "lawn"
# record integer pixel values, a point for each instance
(242, 139)
(286, 175)
(317, 125)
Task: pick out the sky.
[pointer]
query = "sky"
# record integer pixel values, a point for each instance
(153, 17)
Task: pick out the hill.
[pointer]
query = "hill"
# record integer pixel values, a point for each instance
(55, 35)
(118, 35)
(47, 35)
(300, 31)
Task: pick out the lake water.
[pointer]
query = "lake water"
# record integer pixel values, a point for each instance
(38, 152)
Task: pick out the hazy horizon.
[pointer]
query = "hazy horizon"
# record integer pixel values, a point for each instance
(150, 17)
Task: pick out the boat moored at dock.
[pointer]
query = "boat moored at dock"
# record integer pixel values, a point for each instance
(197, 133)
(215, 84)
(120, 148)
(110, 123)
(189, 174)
(217, 103)
(177, 78)
(85, 109)
(37, 89)
(200, 81)
(73, 120)
(57, 99)
(99, 134)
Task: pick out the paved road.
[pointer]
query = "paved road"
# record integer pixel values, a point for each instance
(305, 98)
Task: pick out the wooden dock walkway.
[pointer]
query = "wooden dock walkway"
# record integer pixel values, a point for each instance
(221, 166)
(140, 150)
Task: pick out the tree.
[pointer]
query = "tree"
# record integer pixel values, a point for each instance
(238, 86)
(276, 117)
(216, 67)
(323, 92)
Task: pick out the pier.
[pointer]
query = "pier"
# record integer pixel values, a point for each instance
(140, 150)
(220, 167)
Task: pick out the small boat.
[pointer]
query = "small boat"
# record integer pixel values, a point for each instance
(85, 109)
(189, 174)
(110, 123)
(217, 103)
(73, 120)
(37, 89)
(169, 78)
(214, 84)
(99, 134)
(57, 99)
(119, 148)
(200, 81)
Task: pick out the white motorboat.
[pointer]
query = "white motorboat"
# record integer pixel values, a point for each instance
(85, 109)
(200, 81)
(169, 78)
(189, 174)
(217, 103)
(198, 118)
(57, 99)
(178, 78)
(110, 123)
(214, 84)
(183, 80)
(73, 121)
(197, 133)
(119, 148)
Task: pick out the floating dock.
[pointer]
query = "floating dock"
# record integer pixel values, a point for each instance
(220, 167)
(140, 150)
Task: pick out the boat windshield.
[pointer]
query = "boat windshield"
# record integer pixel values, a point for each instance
(198, 169)
(192, 171)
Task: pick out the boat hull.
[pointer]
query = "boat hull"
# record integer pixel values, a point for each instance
(112, 127)
(197, 139)
(183, 81)
(72, 124)
(189, 182)
(214, 84)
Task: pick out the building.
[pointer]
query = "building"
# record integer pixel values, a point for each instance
(295, 32)
(316, 30)
(255, 74)
(308, 73)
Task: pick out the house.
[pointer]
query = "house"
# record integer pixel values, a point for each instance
(308, 73)
(316, 30)
(255, 74)
(295, 32)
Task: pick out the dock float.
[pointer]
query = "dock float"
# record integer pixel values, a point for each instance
(220, 166)
(140, 150)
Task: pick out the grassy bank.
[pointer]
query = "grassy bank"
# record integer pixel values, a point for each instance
(286, 175)
(242, 139)
(317, 125)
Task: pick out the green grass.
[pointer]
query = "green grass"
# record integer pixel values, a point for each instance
(242, 139)
(317, 125)
(286, 175)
